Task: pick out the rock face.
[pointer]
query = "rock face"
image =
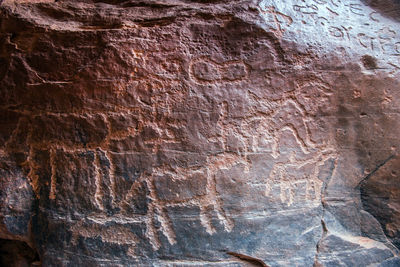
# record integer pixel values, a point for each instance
(200, 133)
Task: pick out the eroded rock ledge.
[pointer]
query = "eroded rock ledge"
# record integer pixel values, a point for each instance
(207, 133)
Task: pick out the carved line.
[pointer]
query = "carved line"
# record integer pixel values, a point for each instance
(220, 68)
(98, 196)
(272, 10)
(53, 181)
(278, 173)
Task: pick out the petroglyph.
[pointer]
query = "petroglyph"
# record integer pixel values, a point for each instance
(280, 20)
(202, 193)
(373, 15)
(366, 41)
(339, 32)
(148, 193)
(333, 17)
(206, 70)
(291, 176)
(167, 131)
(306, 9)
(356, 9)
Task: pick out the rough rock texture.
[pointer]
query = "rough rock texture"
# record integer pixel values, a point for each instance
(200, 133)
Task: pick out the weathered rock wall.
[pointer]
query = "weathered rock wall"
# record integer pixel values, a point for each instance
(206, 133)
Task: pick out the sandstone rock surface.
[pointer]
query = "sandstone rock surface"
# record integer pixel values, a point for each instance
(200, 133)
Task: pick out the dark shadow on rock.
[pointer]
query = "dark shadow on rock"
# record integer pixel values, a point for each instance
(17, 253)
(387, 8)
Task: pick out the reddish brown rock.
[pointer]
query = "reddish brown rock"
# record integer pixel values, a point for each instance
(207, 133)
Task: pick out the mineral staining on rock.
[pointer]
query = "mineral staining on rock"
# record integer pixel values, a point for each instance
(207, 133)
